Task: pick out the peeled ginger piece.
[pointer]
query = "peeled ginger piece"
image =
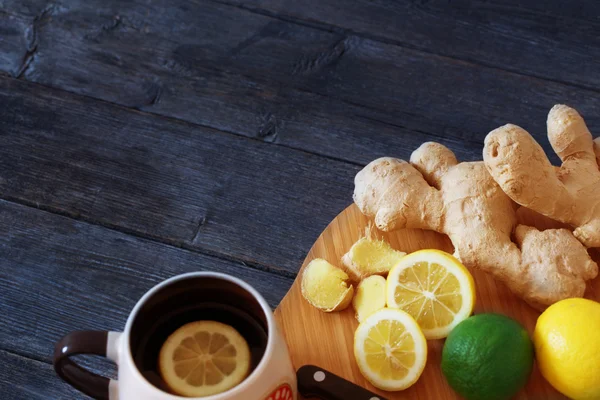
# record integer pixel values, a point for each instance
(369, 256)
(370, 296)
(326, 287)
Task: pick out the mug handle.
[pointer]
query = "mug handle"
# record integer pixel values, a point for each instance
(101, 343)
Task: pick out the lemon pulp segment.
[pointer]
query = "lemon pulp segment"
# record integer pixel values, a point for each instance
(434, 288)
(390, 349)
(203, 358)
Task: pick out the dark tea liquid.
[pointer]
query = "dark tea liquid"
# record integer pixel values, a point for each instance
(145, 354)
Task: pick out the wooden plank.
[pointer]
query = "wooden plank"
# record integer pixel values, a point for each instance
(60, 275)
(584, 11)
(22, 378)
(19, 22)
(280, 81)
(181, 184)
(550, 39)
(13, 44)
(226, 101)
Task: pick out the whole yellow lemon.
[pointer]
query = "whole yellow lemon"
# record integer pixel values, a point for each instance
(567, 345)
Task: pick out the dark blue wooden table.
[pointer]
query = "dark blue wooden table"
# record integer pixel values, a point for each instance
(143, 139)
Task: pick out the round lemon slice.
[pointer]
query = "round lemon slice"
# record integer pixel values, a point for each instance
(390, 349)
(434, 288)
(204, 358)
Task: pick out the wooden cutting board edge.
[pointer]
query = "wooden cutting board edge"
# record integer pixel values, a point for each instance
(326, 339)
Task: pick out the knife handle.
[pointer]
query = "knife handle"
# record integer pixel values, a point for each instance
(322, 384)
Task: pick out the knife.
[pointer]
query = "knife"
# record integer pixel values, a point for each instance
(322, 384)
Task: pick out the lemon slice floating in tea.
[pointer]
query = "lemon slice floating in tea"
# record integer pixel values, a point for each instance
(434, 288)
(204, 358)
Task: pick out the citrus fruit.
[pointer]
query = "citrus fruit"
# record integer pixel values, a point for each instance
(390, 349)
(433, 287)
(203, 358)
(487, 357)
(567, 344)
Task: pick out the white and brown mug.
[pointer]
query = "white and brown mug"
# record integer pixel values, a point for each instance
(163, 309)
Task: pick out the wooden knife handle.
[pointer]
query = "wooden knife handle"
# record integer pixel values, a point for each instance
(322, 384)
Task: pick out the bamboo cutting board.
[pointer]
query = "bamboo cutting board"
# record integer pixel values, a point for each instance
(326, 339)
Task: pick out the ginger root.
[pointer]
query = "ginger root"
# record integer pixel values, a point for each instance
(570, 194)
(325, 286)
(369, 297)
(370, 256)
(462, 200)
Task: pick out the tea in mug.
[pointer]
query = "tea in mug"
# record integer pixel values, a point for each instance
(221, 326)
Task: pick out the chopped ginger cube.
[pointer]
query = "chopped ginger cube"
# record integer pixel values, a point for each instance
(370, 296)
(325, 286)
(370, 257)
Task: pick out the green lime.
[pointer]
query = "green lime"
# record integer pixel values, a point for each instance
(487, 357)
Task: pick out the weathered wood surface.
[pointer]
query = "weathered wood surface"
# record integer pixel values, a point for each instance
(22, 378)
(180, 184)
(228, 101)
(143, 139)
(265, 77)
(554, 39)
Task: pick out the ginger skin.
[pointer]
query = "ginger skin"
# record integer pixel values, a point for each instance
(571, 193)
(434, 191)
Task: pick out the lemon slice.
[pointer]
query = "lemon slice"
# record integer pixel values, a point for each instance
(434, 288)
(390, 349)
(204, 358)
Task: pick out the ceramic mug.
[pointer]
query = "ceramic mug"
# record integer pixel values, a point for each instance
(162, 310)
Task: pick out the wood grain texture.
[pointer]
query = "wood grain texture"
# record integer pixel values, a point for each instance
(552, 39)
(60, 275)
(206, 95)
(14, 45)
(22, 378)
(184, 185)
(326, 339)
(280, 81)
(351, 81)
